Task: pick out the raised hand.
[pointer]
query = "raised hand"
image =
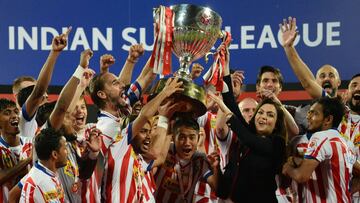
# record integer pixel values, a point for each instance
(85, 58)
(94, 141)
(220, 102)
(169, 108)
(289, 32)
(135, 52)
(87, 76)
(172, 85)
(269, 94)
(60, 42)
(106, 61)
(196, 70)
(214, 160)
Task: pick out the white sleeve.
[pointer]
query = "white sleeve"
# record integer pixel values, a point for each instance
(27, 125)
(319, 147)
(224, 144)
(202, 119)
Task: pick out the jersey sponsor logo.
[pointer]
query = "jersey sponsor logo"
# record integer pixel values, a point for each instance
(56, 194)
(357, 140)
(312, 145)
(70, 169)
(7, 160)
(119, 137)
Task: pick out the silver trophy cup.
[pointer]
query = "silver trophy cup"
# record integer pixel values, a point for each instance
(196, 30)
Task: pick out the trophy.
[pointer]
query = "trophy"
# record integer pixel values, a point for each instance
(195, 31)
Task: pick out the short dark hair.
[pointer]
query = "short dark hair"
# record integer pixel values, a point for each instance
(267, 68)
(280, 128)
(97, 84)
(187, 122)
(46, 141)
(355, 76)
(5, 103)
(332, 106)
(24, 94)
(19, 80)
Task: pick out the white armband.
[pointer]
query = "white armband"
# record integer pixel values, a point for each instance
(163, 122)
(79, 72)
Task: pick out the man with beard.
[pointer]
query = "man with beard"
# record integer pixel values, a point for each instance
(326, 168)
(327, 79)
(350, 124)
(108, 93)
(12, 147)
(42, 183)
(125, 167)
(326, 82)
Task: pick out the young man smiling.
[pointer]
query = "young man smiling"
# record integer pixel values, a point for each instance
(326, 168)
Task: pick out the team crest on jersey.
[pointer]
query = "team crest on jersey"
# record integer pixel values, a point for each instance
(54, 194)
(357, 140)
(137, 170)
(312, 145)
(70, 169)
(8, 163)
(119, 137)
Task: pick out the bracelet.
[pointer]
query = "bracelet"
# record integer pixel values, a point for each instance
(130, 60)
(163, 122)
(79, 72)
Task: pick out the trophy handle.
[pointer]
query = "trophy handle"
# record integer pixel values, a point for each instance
(206, 57)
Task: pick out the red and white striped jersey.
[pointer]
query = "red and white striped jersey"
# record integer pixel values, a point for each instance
(349, 128)
(124, 176)
(42, 185)
(298, 147)
(330, 180)
(110, 127)
(9, 157)
(203, 191)
(176, 179)
(27, 125)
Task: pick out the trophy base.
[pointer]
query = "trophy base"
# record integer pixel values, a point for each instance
(193, 96)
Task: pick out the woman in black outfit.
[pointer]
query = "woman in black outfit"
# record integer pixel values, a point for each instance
(264, 138)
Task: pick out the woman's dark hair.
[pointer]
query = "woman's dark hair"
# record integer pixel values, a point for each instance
(280, 128)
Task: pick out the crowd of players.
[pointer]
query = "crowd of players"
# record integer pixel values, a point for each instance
(257, 150)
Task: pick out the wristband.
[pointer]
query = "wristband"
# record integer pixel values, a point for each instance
(79, 72)
(162, 122)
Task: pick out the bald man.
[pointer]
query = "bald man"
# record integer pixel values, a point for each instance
(327, 79)
(247, 108)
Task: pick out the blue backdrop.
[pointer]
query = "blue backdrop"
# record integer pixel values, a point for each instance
(329, 33)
